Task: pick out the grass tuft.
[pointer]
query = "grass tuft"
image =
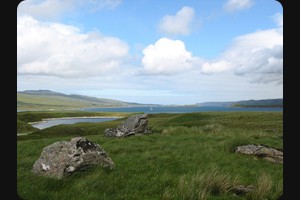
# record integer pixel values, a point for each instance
(263, 188)
(205, 183)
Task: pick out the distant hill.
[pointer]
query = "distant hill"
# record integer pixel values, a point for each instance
(48, 100)
(246, 103)
(259, 103)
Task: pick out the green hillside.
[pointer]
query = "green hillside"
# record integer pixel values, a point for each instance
(49, 100)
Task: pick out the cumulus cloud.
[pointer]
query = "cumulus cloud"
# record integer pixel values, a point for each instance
(257, 55)
(52, 9)
(167, 57)
(235, 5)
(179, 24)
(60, 50)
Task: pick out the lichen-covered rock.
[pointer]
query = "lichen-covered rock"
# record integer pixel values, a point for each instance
(261, 151)
(63, 158)
(136, 124)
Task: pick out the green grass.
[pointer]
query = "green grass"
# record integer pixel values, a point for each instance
(188, 156)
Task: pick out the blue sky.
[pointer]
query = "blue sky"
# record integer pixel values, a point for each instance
(151, 51)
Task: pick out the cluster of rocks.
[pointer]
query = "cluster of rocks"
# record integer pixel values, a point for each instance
(63, 158)
(261, 151)
(134, 125)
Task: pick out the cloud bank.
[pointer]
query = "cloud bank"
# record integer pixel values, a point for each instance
(60, 50)
(258, 55)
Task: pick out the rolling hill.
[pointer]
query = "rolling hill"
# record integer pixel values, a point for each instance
(50, 100)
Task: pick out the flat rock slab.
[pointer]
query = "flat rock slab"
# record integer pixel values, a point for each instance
(63, 158)
(261, 151)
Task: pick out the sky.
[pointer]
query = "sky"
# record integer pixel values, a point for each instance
(152, 51)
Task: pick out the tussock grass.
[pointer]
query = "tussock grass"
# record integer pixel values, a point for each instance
(213, 183)
(265, 187)
(205, 183)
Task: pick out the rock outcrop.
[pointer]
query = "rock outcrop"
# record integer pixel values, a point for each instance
(261, 151)
(63, 158)
(136, 124)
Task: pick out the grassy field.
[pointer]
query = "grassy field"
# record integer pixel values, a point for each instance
(188, 156)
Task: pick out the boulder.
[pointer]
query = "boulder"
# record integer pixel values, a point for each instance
(136, 124)
(63, 158)
(261, 151)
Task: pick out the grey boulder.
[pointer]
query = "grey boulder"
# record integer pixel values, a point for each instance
(136, 124)
(63, 158)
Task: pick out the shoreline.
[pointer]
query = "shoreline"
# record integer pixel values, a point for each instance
(85, 117)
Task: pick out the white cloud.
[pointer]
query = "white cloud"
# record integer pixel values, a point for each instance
(180, 24)
(278, 19)
(167, 57)
(234, 5)
(260, 39)
(52, 9)
(60, 50)
(258, 56)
